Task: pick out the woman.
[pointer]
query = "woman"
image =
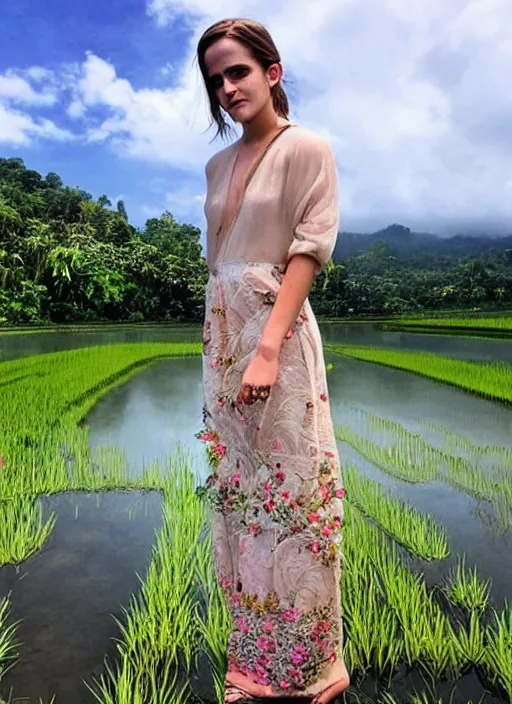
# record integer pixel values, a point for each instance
(272, 216)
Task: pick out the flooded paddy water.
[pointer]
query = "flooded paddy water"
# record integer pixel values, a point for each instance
(65, 595)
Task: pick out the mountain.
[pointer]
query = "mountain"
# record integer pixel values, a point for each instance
(402, 243)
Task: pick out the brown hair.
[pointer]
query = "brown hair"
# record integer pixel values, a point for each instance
(258, 40)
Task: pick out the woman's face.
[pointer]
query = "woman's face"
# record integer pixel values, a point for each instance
(234, 75)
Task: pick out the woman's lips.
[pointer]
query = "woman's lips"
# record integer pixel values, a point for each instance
(238, 102)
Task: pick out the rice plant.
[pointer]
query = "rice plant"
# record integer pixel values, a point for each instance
(212, 618)
(24, 531)
(465, 589)
(416, 531)
(409, 457)
(406, 460)
(501, 324)
(488, 379)
(159, 633)
(469, 642)
(8, 653)
(390, 617)
(498, 656)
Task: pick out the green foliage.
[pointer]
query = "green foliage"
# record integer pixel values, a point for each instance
(65, 257)
(376, 282)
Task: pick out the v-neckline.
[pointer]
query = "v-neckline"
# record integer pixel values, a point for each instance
(252, 170)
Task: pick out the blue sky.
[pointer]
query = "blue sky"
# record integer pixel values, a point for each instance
(412, 95)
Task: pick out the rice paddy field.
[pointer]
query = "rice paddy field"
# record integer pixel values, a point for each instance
(486, 325)
(107, 587)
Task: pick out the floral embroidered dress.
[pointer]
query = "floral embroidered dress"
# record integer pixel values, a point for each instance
(275, 483)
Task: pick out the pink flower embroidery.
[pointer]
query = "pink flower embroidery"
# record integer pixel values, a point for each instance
(284, 684)
(254, 528)
(291, 615)
(324, 492)
(322, 626)
(329, 453)
(315, 547)
(323, 397)
(268, 626)
(206, 437)
(333, 657)
(214, 363)
(264, 643)
(326, 530)
(276, 446)
(340, 493)
(295, 674)
(220, 449)
(298, 655)
(313, 517)
(236, 478)
(285, 494)
(220, 403)
(280, 476)
(269, 506)
(242, 625)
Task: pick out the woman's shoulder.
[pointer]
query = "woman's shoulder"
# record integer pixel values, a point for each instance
(218, 159)
(306, 141)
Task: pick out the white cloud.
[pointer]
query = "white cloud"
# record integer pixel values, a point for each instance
(19, 129)
(39, 74)
(411, 93)
(16, 89)
(76, 108)
(167, 69)
(148, 123)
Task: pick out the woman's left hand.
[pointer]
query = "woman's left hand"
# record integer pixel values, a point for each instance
(261, 373)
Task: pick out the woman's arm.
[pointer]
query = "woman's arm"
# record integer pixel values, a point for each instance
(312, 190)
(295, 288)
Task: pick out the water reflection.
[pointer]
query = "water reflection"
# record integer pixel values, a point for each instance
(66, 594)
(25, 344)
(154, 413)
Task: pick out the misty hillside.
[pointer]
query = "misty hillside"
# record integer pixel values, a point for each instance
(400, 242)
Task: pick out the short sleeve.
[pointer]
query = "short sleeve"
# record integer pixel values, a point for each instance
(313, 190)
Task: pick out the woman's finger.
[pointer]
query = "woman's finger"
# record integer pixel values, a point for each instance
(249, 393)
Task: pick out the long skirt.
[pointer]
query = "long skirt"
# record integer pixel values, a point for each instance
(275, 487)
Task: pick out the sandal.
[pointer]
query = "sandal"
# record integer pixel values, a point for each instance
(235, 689)
(319, 698)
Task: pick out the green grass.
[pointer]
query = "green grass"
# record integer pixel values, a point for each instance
(8, 650)
(416, 531)
(498, 652)
(494, 324)
(407, 456)
(466, 590)
(99, 326)
(391, 619)
(490, 380)
(160, 632)
(23, 530)
(408, 459)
